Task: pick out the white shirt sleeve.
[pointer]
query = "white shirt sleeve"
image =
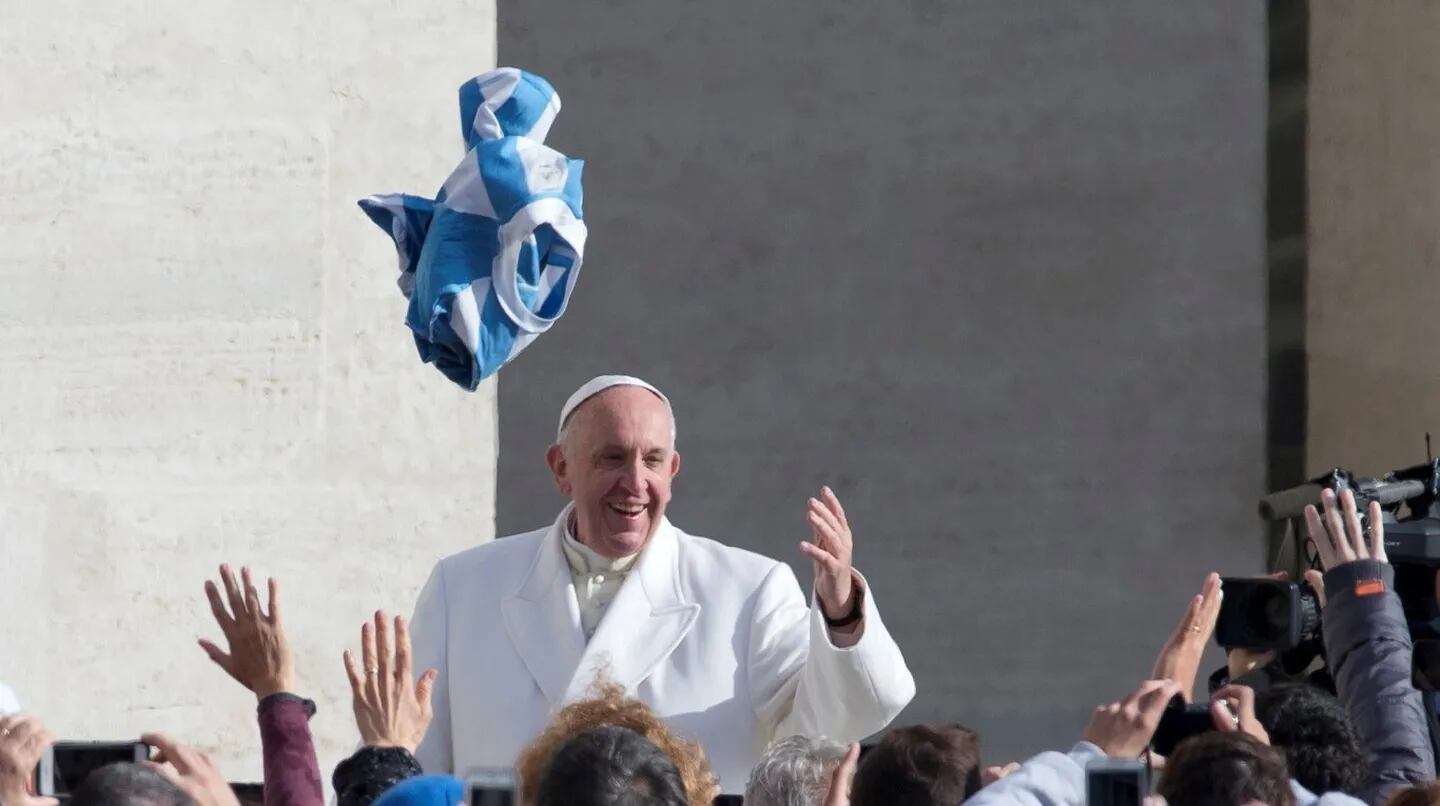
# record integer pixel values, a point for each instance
(9, 703)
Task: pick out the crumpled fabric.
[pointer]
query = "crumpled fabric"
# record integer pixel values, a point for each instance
(490, 263)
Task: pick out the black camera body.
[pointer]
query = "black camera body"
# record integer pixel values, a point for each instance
(1267, 614)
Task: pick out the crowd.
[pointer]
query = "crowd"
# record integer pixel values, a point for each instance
(1289, 743)
(1359, 733)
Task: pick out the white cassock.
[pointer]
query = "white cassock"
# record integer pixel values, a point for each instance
(717, 640)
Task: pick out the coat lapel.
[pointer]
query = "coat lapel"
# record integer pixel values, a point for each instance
(542, 618)
(643, 625)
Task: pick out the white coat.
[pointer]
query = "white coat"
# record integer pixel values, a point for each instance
(719, 641)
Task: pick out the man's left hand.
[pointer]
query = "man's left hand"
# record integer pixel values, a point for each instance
(831, 549)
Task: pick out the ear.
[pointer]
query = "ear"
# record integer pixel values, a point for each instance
(555, 458)
(675, 471)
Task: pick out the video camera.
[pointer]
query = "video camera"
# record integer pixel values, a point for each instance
(1279, 610)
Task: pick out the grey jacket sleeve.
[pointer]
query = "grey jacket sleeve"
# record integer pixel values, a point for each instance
(1368, 646)
(1049, 779)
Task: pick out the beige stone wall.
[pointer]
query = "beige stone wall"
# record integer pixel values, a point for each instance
(202, 355)
(1373, 289)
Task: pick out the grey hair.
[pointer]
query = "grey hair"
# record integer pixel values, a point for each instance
(795, 771)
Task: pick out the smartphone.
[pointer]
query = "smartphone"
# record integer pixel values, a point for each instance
(492, 787)
(66, 764)
(1116, 782)
(1179, 722)
(729, 800)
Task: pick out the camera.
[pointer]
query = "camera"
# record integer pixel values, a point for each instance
(491, 787)
(1116, 782)
(1267, 614)
(67, 764)
(1179, 721)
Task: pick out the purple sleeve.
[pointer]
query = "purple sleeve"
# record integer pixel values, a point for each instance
(292, 773)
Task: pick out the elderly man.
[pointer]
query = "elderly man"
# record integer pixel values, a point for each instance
(717, 640)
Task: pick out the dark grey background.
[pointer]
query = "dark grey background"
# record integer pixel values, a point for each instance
(995, 271)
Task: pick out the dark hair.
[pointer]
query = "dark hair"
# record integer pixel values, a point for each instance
(1418, 795)
(610, 766)
(1223, 769)
(1321, 745)
(126, 784)
(919, 765)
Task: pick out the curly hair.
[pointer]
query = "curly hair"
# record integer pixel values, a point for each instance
(608, 705)
(1321, 745)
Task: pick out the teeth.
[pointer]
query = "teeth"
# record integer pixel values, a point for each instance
(628, 509)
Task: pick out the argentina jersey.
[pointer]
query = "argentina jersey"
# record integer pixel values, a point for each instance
(489, 264)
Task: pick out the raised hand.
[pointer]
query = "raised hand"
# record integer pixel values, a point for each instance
(1337, 533)
(1232, 708)
(259, 655)
(839, 793)
(1123, 729)
(191, 770)
(830, 550)
(391, 708)
(22, 742)
(1180, 657)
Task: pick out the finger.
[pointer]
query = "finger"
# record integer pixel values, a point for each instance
(217, 606)
(1320, 537)
(273, 614)
(357, 678)
(423, 689)
(367, 658)
(1377, 533)
(822, 513)
(252, 596)
(1317, 581)
(840, 780)
(1213, 593)
(1335, 525)
(384, 661)
(232, 591)
(219, 657)
(1223, 717)
(823, 559)
(402, 650)
(833, 501)
(165, 770)
(171, 751)
(827, 535)
(1154, 701)
(1243, 696)
(1354, 534)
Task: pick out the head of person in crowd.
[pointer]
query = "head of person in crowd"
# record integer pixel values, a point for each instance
(1225, 768)
(795, 771)
(128, 785)
(1321, 745)
(608, 706)
(611, 766)
(920, 764)
(614, 457)
(425, 790)
(1419, 795)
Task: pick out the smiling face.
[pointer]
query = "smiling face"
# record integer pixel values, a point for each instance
(615, 460)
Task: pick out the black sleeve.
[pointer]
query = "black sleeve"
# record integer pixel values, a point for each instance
(365, 776)
(1368, 646)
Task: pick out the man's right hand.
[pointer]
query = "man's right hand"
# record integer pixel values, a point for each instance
(1123, 729)
(22, 742)
(1337, 534)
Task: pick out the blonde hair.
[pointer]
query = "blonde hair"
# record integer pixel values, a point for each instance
(608, 705)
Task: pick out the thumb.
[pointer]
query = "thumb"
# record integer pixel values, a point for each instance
(219, 657)
(1317, 581)
(1224, 718)
(423, 688)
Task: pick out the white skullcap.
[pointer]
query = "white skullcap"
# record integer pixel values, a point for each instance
(600, 383)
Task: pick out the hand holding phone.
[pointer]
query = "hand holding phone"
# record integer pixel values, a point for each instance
(23, 741)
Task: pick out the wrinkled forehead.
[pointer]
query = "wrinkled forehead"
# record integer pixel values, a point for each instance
(628, 416)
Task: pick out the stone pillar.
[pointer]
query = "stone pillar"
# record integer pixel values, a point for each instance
(202, 352)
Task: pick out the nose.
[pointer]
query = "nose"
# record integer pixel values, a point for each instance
(633, 479)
